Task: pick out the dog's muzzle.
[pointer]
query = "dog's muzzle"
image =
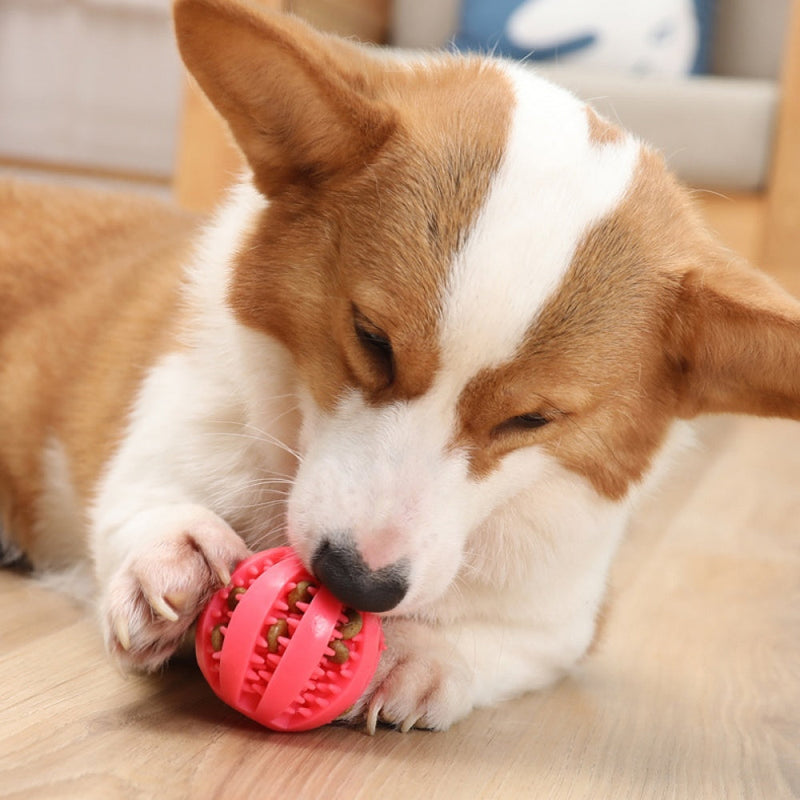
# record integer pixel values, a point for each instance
(341, 568)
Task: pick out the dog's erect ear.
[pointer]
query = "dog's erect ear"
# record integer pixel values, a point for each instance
(736, 343)
(298, 102)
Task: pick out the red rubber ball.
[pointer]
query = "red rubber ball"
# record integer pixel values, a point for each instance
(279, 647)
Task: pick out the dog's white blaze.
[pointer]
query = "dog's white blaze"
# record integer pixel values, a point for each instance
(387, 478)
(552, 186)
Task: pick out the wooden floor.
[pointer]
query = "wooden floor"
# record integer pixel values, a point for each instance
(693, 692)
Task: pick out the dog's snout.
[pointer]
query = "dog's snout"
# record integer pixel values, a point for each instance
(343, 571)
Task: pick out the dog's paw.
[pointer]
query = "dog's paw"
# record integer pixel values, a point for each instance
(422, 681)
(154, 597)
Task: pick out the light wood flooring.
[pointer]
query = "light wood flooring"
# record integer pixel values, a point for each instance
(692, 693)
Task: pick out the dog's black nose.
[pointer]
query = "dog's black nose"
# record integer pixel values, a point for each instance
(344, 572)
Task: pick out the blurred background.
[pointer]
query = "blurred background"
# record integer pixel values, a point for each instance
(92, 91)
(693, 689)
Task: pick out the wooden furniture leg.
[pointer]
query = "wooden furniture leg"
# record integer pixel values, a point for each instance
(782, 237)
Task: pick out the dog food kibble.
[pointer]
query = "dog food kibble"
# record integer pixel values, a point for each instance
(233, 597)
(340, 652)
(217, 637)
(300, 594)
(280, 628)
(353, 625)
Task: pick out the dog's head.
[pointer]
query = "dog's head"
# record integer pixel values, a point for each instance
(486, 290)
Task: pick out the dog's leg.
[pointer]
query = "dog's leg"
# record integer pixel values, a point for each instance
(430, 676)
(159, 549)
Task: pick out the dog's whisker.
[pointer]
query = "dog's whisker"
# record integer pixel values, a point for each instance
(261, 438)
(271, 438)
(259, 482)
(246, 507)
(269, 538)
(221, 499)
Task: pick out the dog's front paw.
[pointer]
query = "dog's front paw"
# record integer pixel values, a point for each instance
(422, 681)
(155, 595)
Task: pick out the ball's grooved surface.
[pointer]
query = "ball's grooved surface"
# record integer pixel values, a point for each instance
(311, 689)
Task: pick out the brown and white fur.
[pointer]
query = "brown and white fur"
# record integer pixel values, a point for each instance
(439, 339)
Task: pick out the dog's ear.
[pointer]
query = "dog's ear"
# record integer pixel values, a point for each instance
(736, 342)
(299, 103)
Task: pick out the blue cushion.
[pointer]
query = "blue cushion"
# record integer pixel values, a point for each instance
(660, 37)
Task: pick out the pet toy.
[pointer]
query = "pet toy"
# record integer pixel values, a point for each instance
(279, 647)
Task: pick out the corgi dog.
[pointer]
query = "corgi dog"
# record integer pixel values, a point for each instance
(439, 339)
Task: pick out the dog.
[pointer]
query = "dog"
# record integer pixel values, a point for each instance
(439, 339)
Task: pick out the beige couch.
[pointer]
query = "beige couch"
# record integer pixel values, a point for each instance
(89, 85)
(716, 130)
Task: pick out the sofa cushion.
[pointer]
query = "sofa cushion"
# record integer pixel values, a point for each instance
(659, 37)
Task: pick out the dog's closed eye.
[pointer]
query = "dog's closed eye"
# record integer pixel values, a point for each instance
(376, 345)
(520, 423)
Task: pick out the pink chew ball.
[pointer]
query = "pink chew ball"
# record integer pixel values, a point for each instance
(279, 647)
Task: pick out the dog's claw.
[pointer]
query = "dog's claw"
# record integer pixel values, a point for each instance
(372, 716)
(409, 723)
(223, 573)
(163, 608)
(178, 600)
(122, 633)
